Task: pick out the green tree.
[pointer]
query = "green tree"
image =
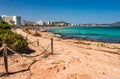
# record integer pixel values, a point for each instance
(4, 25)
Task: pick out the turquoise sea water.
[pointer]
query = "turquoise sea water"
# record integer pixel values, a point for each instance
(103, 34)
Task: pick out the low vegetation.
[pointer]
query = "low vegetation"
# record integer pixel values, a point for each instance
(4, 25)
(13, 40)
(32, 33)
(101, 45)
(36, 34)
(27, 31)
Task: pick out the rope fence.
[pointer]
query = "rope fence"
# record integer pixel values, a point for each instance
(5, 49)
(37, 42)
(1, 48)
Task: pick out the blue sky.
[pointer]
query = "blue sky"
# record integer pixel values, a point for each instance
(73, 11)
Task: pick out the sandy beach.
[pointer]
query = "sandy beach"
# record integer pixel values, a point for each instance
(71, 59)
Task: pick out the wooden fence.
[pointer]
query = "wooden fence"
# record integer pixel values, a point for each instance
(4, 48)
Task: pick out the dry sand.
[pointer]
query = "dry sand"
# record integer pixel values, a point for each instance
(72, 59)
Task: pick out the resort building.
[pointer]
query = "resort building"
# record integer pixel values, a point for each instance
(23, 22)
(12, 20)
(41, 23)
(49, 23)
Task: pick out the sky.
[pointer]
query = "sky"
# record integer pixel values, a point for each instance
(72, 11)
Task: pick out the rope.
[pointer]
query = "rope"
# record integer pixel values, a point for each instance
(1, 48)
(30, 42)
(41, 46)
(35, 45)
(29, 56)
(33, 42)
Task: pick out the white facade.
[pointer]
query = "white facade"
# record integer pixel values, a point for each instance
(40, 22)
(44, 22)
(49, 23)
(23, 22)
(8, 19)
(15, 19)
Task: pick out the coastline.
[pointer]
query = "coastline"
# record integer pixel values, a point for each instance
(87, 34)
(72, 59)
(87, 41)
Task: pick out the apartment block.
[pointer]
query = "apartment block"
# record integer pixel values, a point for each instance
(12, 20)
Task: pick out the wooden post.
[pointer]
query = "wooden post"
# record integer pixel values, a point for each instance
(26, 37)
(38, 42)
(51, 45)
(5, 57)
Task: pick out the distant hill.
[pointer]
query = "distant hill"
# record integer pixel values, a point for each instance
(60, 23)
(115, 24)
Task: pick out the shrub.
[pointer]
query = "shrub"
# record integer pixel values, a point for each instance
(13, 40)
(101, 45)
(4, 25)
(27, 31)
(36, 34)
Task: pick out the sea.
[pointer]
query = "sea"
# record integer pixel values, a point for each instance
(102, 34)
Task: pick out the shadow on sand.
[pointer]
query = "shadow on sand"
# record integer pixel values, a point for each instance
(11, 73)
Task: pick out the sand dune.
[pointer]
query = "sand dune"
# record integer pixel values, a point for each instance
(72, 59)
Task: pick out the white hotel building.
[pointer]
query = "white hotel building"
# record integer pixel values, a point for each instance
(15, 19)
(43, 23)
